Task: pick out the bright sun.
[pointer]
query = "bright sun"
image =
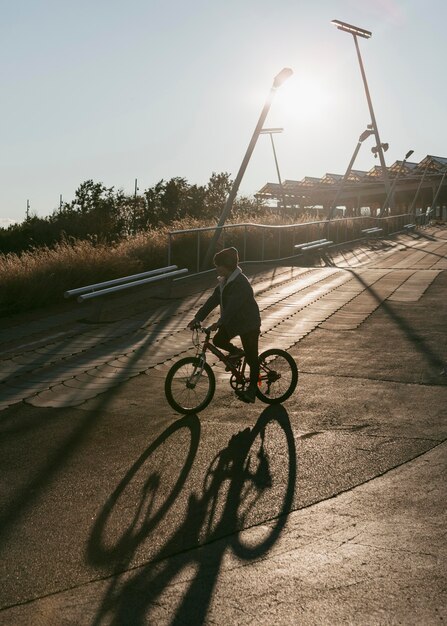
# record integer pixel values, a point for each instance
(303, 97)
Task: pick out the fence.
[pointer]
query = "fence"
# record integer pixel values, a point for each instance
(261, 242)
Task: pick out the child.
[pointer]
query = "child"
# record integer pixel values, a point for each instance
(239, 315)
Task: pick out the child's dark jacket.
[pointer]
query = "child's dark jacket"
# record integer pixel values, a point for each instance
(239, 309)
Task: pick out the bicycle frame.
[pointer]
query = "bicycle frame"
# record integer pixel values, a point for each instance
(237, 371)
(194, 371)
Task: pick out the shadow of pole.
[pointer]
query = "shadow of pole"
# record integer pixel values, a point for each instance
(26, 495)
(419, 343)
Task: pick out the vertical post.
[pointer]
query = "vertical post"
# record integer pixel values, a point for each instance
(279, 175)
(198, 250)
(27, 210)
(245, 242)
(136, 188)
(263, 244)
(413, 204)
(279, 242)
(169, 249)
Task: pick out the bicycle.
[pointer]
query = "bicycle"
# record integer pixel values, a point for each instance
(190, 383)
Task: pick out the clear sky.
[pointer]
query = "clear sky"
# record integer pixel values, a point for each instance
(150, 89)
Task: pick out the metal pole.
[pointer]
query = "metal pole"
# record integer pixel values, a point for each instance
(418, 190)
(373, 120)
(393, 186)
(343, 182)
(245, 243)
(277, 171)
(198, 250)
(283, 75)
(136, 188)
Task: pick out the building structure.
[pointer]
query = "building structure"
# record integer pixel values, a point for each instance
(416, 188)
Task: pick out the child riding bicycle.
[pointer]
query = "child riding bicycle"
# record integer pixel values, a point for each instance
(239, 315)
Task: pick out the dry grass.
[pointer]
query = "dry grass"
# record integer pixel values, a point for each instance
(40, 277)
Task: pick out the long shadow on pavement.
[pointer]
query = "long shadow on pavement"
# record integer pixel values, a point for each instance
(417, 340)
(57, 456)
(243, 475)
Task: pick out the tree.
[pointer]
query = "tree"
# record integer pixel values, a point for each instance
(217, 190)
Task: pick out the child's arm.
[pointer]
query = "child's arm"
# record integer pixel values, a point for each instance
(205, 309)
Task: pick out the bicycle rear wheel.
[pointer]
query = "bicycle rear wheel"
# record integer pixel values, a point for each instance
(278, 376)
(190, 385)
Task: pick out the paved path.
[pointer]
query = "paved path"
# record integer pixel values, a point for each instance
(329, 509)
(61, 361)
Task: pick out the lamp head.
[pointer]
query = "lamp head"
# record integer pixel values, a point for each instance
(269, 131)
(354, 30)
(408, 155)
(375, 149)
(282, 77)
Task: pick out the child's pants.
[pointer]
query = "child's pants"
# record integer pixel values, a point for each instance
(250, 344)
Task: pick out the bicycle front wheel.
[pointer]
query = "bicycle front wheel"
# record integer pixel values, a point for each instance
(190, 385)
(278, 376)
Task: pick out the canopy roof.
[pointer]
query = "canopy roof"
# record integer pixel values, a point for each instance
(321, 190)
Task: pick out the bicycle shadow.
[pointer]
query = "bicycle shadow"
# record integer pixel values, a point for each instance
(254, 473)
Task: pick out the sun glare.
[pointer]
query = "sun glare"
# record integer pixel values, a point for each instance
(304, 98)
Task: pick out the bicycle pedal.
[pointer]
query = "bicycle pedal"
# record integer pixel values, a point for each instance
(234, 363)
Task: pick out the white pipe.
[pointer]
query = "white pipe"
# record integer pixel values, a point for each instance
(88, 296)
(118, 281)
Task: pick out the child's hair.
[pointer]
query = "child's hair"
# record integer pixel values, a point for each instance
(228, 257)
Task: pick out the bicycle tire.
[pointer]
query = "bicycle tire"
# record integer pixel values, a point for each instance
(184, 399)
(270, 389)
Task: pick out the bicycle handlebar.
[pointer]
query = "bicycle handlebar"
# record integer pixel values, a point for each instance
(203, 329)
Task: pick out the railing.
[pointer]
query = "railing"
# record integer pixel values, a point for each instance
(262, 243)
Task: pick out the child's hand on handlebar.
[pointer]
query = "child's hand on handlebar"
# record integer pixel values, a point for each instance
(193, 324)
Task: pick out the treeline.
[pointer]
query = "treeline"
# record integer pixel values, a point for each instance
(109, 215)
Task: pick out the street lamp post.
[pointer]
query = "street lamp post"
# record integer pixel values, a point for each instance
(363, 136)
(413, 204)
(366, 34)
(271, 132)
(393, 186)
(279, 79)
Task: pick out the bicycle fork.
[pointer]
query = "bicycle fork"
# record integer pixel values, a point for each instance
(197, 373)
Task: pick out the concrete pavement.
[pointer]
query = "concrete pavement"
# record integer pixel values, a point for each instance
(330, 509)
